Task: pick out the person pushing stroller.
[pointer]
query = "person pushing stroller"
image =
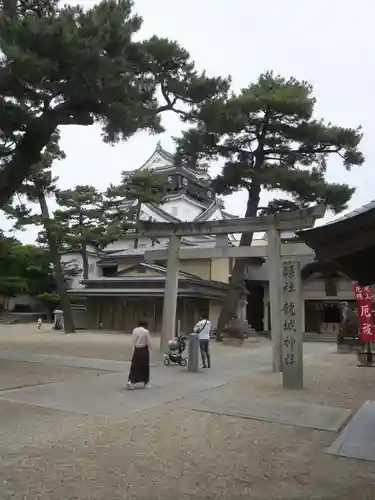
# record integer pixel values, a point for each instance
(203, 329)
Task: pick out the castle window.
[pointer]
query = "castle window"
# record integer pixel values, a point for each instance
(209, 194)
(185, 182)
(170, 178)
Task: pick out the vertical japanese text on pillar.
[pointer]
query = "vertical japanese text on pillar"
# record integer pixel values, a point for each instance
(289, 312)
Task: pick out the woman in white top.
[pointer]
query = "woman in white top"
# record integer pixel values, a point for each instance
(203, 329)
(140, 365)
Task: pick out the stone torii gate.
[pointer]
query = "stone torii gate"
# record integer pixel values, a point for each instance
(272, 224)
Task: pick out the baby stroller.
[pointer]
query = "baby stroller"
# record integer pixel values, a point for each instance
(175, 352)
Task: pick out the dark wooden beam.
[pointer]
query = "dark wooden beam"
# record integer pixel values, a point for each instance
(349, 243)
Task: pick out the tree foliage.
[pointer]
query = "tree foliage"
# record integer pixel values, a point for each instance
(125, 200)
(270, 140)
(82, 221)
(63, 65)
(279, 205)
(24, 268)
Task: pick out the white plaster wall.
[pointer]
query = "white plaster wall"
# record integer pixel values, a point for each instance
(217, 215)
(156, 161)
(76, 259)
(73, 260)
(147, 213)
(182, 209)
(314, 289)
(123, 244)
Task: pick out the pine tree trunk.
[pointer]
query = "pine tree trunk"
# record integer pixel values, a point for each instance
(137, 219)
(85, 263)
(55, 259)
(229, 308)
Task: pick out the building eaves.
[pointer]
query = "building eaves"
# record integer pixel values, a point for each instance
(362, 217)
(166, 155)
(358, 211)
(207, 213)
(182, 194)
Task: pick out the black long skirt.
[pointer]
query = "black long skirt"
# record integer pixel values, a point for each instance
(140, 366)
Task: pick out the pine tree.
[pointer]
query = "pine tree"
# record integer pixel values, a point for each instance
(36, 188)
(269, 139)
(143, 186)
(83, 222)
(63, 65)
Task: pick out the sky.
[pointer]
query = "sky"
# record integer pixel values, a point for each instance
(329, 43)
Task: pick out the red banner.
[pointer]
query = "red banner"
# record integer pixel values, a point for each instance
(363, 297)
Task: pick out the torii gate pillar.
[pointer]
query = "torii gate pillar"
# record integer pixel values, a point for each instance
(170, 293)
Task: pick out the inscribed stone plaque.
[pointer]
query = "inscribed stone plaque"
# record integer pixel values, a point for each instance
(292, 342)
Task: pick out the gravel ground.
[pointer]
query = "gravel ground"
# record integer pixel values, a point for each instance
(27, 338)
(174, 453)
(86, 344)
(31, 427)
(331, 380)
(15, 374)
(171, 453)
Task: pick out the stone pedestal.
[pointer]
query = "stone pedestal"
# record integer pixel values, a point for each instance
(58, 319)
(193, 353)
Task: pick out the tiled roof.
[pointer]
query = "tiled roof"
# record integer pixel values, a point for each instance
(158, 268)
(206, 213)
(361, 210)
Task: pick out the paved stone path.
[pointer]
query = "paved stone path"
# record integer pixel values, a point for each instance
(357, 440)
(318, 417)
(105, 395)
